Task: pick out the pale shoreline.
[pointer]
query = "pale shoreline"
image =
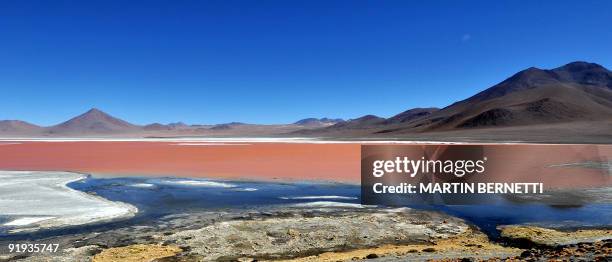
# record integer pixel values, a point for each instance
(214, 179)
(36, 200)
(232, 140)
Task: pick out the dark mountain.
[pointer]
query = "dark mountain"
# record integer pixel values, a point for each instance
(227, 126)
(18, 127)
(410, 115)
(576, 73)
(177, 125)
(168, 127)
(576, 96)
(366, 121)
(585, 74)
(93, 121)
(157, 127)
(577, 91)
(318, 121)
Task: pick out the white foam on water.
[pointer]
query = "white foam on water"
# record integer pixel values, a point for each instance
(202, 183)
(247, 189)
(330, 204)
(26, 221)
(142, 185)
(318, 197)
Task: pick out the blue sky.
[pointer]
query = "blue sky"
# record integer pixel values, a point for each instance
(277, 61)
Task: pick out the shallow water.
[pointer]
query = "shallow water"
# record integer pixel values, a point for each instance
(488, 217)
(156, 197)
(163, 196)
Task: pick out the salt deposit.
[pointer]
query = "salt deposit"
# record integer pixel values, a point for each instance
(41, 199)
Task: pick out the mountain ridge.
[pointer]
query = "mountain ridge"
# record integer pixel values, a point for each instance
(574, 92)
(95, 122)
(531, 96)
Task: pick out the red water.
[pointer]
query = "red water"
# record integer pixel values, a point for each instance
(285, 161)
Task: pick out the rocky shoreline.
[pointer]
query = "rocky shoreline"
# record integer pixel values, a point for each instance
(278, 233)
(300, 235)
(550, 244)
(326, 234)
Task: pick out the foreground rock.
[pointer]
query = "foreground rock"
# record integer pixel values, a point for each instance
(267, 233)
(552, 238)
(302, 236)
(595, 251)
(136, 253)
(470, 245)
(549, 244)
(321, 234)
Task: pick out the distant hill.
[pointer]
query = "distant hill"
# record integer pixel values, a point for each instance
(227, 126)
(157, 127)
(168, 127)
(18, 127)
(366, 121)
(318, 121)
(177, 125)
(93, 121)
(410, 115)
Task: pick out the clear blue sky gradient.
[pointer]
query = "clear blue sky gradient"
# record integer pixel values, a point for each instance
(277, 61)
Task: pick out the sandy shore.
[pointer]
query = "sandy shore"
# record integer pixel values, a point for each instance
(34, 200)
